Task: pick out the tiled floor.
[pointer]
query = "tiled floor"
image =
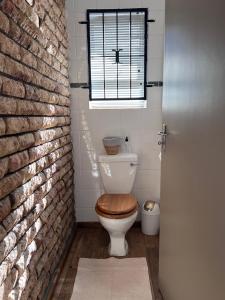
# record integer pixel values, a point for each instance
(93, 243)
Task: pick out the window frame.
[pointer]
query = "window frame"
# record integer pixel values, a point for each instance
(117, 100)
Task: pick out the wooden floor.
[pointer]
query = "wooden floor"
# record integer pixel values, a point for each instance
(92, 242)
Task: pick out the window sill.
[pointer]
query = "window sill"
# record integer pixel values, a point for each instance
(126, 104)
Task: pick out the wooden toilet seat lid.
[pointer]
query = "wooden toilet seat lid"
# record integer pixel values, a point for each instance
(121, 216)
(116, 204)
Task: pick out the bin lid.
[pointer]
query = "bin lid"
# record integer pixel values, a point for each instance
(151, 207)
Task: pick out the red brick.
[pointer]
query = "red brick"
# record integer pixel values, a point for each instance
(14, 31)
(9, 47)
(2, 62)
(4, 162)
(8, 106)
(15, 125)
(18, 161)
(13, 88)
(4, 22)
(8, 145)
(5, 208)
(28, 58)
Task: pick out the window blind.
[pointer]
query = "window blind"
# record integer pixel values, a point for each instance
(117, 42)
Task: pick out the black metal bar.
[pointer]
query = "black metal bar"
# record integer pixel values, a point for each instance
(84, 22)
(130, 54)
(117, 10)
(134, 55)
(117, 52)
(146, 52)
(103, 37)
(76, 85)
(150, 21)
(89, 56)
(118, 56)
(117, 32)
(122, 99)
(154, 84)
(84, 85)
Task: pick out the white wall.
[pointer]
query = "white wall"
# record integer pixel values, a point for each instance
(90, 126)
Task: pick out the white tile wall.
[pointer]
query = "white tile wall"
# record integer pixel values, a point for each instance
(90, 126)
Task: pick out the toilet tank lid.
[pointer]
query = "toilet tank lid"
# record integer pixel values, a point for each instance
(131, 157)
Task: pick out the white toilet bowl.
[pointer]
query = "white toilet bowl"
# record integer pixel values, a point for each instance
(117, 213)
(117, 209)
(117, 229)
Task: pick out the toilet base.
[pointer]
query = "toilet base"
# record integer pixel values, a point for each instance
(118, 246)
(117, 229)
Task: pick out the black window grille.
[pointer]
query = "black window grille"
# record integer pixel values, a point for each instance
(117, 53)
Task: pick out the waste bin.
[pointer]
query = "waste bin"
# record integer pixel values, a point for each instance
(150, 218)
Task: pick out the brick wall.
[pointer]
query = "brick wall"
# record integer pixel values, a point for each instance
(36, 170)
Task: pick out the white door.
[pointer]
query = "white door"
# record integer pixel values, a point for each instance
(192, 237)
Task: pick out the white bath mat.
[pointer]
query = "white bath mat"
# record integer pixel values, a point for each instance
(112, 279)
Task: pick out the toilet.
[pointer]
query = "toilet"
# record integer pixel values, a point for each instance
(117, 209)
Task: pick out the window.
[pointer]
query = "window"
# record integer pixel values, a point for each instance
(117, 52)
